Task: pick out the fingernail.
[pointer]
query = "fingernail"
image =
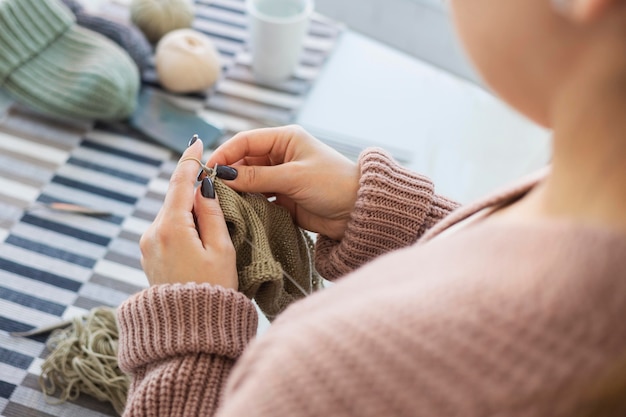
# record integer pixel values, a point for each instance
(225, 172)
(193, 140)
(207, 188)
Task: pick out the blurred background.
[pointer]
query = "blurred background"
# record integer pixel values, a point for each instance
(420, 28)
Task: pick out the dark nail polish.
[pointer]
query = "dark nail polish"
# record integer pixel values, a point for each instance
(201, 175)
(193, 140)
(225, 172)
(207, 188)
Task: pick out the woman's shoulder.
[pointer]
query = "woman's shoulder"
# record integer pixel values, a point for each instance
(481, 319)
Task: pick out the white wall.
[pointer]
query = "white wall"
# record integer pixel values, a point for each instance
(421, 28)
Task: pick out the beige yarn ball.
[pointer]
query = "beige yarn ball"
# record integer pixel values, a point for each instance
(187, 61)
(156, 18)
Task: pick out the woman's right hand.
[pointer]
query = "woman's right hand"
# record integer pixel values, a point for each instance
(314, 182)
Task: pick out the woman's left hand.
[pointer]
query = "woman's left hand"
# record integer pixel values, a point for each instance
(177, 248)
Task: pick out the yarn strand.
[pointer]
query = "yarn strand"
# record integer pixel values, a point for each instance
(285, 274)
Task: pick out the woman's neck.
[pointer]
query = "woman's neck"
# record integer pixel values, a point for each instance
(588, 178)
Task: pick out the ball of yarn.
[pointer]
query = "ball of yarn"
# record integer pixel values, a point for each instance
(83, 359)
(156, 18)
(187, 61)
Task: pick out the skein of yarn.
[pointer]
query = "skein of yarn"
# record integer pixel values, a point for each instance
(83, 359)
(187, 61)
(156, 18)
(129, 37)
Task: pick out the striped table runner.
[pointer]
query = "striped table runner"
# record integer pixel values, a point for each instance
(55, 266)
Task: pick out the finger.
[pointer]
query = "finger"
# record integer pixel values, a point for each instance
(180, 194)
(277, 179)
(258, 160)
(210, 218)
(259, 142)
(253, 160)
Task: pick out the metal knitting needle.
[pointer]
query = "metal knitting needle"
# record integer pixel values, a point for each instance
(42, 330)
(293, 281)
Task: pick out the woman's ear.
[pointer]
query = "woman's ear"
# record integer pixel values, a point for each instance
(584, 11)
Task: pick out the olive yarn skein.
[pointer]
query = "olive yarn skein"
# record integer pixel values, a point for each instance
(156, 18)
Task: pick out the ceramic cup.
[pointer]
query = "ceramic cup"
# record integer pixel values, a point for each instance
(277, 31)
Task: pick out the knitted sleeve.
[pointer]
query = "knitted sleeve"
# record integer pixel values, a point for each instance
(179, 342)
(394, 208)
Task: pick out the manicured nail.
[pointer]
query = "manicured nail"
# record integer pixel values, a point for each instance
(193, 140)
(201, 175)
(207, 188)
(225, 172)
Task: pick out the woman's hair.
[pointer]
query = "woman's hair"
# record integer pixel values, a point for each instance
(605, 396)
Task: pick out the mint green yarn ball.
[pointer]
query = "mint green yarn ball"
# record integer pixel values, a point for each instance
(156, 18)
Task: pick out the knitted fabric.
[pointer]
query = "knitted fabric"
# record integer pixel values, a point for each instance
(271, 250)
(51, 64)
(208, 319)
(379, 222)
(126, 35)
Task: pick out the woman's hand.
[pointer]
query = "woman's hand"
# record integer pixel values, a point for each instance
(314, 182)
(179, 248)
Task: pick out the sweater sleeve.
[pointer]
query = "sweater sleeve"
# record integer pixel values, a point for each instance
(394, 208)
(179, 342)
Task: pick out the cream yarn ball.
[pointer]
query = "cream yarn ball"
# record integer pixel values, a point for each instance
(187, 61)
(156, 18)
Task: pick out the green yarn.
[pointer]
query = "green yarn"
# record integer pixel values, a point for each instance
(156, 18)
(83, 360)
(50, 64)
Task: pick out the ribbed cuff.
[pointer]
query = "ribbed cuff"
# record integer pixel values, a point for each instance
(26, 28)
(394, 207)
(174, 320)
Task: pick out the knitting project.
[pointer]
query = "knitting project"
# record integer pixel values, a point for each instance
(274, 256)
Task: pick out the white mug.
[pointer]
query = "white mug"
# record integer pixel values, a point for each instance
(277, 29)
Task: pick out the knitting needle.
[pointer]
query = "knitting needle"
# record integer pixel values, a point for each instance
(293, 281)
(42, 330)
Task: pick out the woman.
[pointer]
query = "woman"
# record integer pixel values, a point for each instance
(511, 306)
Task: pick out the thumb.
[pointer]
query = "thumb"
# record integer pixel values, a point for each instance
(263, 179)
(209, 217)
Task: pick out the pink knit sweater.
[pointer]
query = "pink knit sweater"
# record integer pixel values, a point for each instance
(497, 319)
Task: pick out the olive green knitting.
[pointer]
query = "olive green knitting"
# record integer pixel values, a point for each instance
(274, 256)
